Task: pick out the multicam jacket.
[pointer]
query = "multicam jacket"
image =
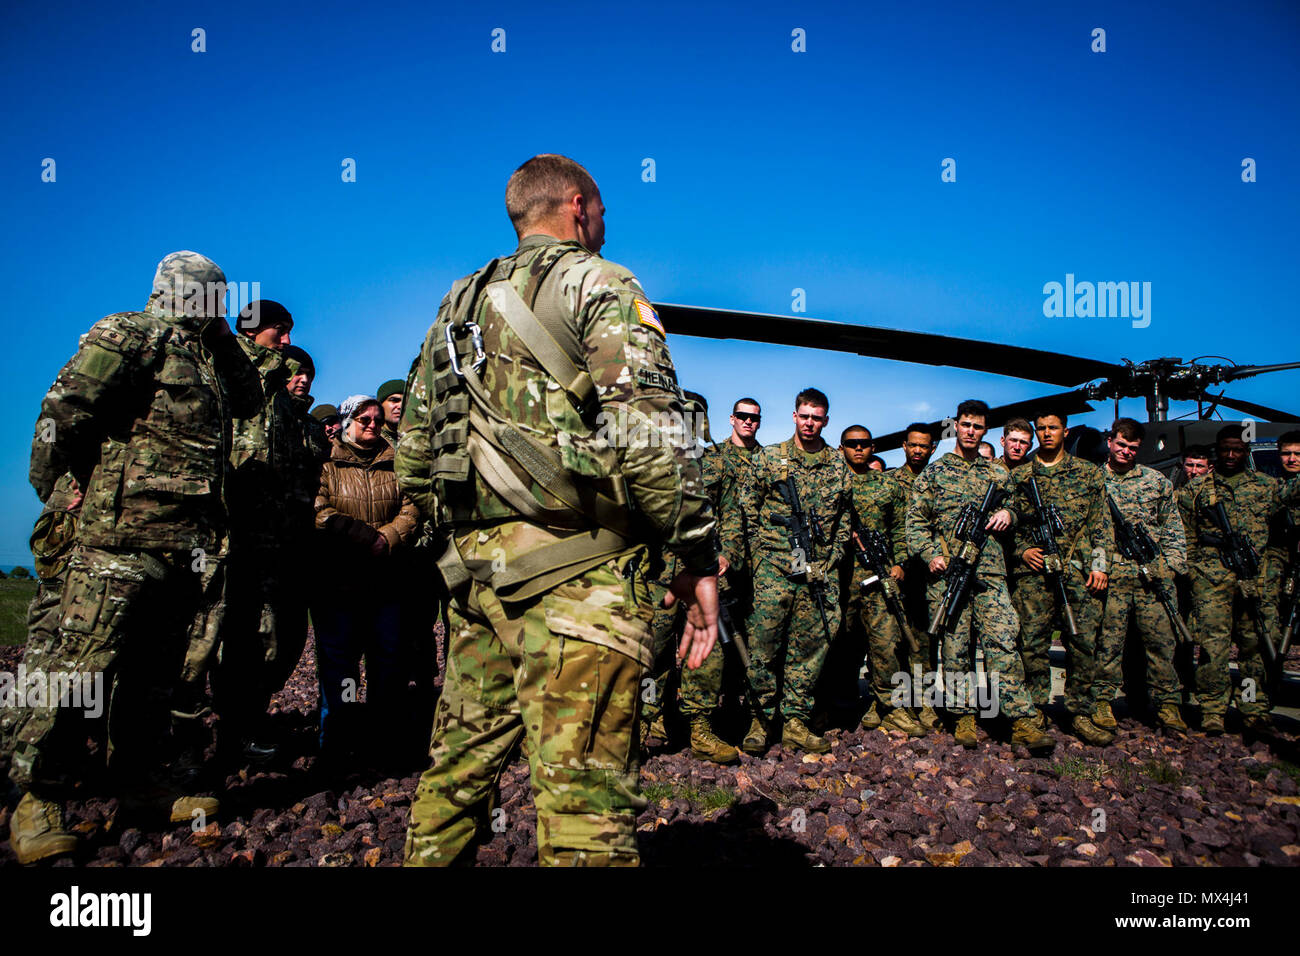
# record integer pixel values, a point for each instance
(141, 418)
(637, 429)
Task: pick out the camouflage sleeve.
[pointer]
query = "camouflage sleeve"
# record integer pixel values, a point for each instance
(1170, 535)
(919, 523)
(896, 509)
(79, 410)
(843, 520)
(627, 357)
(743, 515)
(1100, 528)
(239, 376)
(1021, 510)
(414, 462)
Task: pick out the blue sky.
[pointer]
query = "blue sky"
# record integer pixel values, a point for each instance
(775, 170)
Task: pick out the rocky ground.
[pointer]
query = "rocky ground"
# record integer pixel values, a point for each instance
(876, 799)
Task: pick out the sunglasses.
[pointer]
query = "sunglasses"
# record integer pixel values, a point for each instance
(858, 443)
(747, 416)
(367, 422)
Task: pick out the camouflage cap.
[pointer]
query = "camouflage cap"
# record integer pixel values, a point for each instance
(187, 283)
(394, 386)
(323, 413)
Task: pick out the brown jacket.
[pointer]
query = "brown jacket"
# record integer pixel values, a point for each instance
(359, 500)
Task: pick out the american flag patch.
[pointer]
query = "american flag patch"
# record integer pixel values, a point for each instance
(649, 317)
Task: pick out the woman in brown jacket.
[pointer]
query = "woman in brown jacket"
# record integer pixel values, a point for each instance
(365, 523)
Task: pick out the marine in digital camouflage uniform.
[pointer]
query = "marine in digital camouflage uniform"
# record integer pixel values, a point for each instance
(1143, 496)
(1220, 613)
(788, 638)
(947, 485)
(140, 417)
(880, 504)
(552, 645)
(918, 447)
(1077, 488)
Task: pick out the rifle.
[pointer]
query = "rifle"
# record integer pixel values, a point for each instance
(971, 536)
(805, 531)
(1290, 608)
(1137, 545)
(874, 555)
(1046, 526)
(1240, 557)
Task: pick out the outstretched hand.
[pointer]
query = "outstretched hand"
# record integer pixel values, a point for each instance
(699, 595)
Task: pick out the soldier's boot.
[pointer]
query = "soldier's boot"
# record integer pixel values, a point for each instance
(871, 719)
(1257, 724)
(1104, 717)
(36, 830)
(755, 741)
(1041, 720)
(1212, 724)
(1027, 733)
(189, 809)
(928, 718)
(1170, 719)
(965, 733)
(797, 736)
(1088, 732)
(901, 720)
(706, 745)
(654, 728)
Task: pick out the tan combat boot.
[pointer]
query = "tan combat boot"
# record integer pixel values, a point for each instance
(901, 720)
(1257, 723)
(965, 733)
(653, 728)
(928, 718)
(1089, 732)
(1027, 733)
(797, 736)
(871, 719)
(706, 745)
(755, 741)
(1104, 717)
(36, 831)
(1212, 724)
(189, 809)
(1170, 719)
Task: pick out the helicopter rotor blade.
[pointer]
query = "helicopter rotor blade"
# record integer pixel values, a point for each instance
(1261, 412)
(1069, 403)
(924, 348)
(1246, 371)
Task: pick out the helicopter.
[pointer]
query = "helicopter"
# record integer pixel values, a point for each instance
(1158, 381)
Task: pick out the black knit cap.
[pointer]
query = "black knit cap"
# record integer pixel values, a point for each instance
(261, 313)
(394, 386)
(292, 353)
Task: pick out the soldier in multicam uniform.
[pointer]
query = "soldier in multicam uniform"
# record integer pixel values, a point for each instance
(1284, 538)
(141, 418)
(959, 478)
(879, 504)
(788, 637)
(390, 396)
(1077, 489)
(1221, 602)
(918, 449)
(550, 617)
(1143, 496)
(52, 542)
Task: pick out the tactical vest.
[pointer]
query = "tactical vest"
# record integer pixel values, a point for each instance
(469, 435)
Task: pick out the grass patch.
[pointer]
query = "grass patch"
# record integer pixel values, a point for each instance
(1162, 771)
(1286, 766)
(703, 799)
(14, 598)
(1080, 768)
